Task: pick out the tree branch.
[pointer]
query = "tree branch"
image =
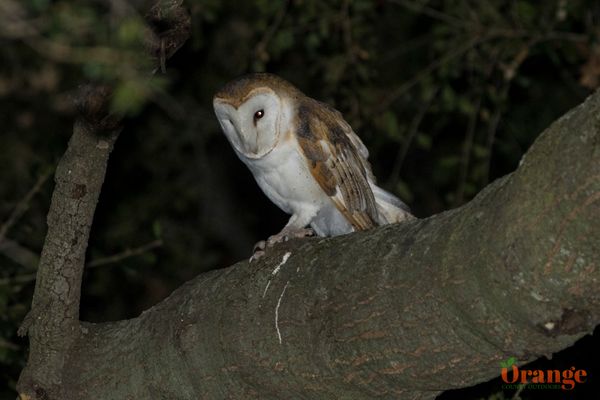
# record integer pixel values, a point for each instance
(23, 205)
(30, 260)
(387, 313)
(53, 322)
(127, 253)
(19, 254)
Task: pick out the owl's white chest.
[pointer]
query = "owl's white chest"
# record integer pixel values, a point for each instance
(284, 177)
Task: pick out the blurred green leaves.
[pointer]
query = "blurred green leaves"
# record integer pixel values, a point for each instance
(105, 42)
(130, 32)
(130, 96)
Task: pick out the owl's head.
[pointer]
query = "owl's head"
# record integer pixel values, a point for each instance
(253, 110)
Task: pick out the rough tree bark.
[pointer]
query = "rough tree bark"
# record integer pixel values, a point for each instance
(53, 323)
(401, 312)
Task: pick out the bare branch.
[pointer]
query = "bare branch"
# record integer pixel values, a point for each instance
(23, 205)
(260, 51)
(19, 254)
(30, 257)
(431, 12)
(424, 72)
(128, 253)
(412, 132)
(8, 345)
(466, 153)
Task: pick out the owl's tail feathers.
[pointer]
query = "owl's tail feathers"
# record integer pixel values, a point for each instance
(390, 208)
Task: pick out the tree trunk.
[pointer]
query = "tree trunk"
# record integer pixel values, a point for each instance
(400, 312)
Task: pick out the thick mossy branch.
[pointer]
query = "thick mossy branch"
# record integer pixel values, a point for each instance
(404, 311)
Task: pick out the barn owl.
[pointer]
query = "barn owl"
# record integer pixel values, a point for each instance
(305, 157)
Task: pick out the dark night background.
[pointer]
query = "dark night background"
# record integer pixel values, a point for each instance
(447, 96)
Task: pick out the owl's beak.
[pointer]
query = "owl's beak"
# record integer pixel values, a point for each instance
(251, 146)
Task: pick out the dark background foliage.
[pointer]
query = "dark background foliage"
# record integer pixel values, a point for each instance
(447, 95)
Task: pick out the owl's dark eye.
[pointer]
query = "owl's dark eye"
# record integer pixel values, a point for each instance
(258, 115)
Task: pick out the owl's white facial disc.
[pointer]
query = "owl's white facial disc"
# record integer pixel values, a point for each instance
(253, 127)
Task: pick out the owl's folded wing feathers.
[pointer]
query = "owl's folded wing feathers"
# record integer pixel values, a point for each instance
(338, 161)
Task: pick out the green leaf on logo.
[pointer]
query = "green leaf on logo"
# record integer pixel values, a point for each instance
(508, 363)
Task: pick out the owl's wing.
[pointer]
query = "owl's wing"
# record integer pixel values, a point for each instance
(338, 161)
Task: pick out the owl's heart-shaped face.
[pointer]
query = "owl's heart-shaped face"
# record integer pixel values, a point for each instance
(252, 126)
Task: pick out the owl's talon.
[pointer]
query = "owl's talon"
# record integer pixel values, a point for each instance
(256, 256)
(259, 246)
(284, 236)
(309, 232)
(273, 240)
(258, 251)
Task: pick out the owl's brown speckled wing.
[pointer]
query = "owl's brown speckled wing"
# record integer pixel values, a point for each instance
(338, 161)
